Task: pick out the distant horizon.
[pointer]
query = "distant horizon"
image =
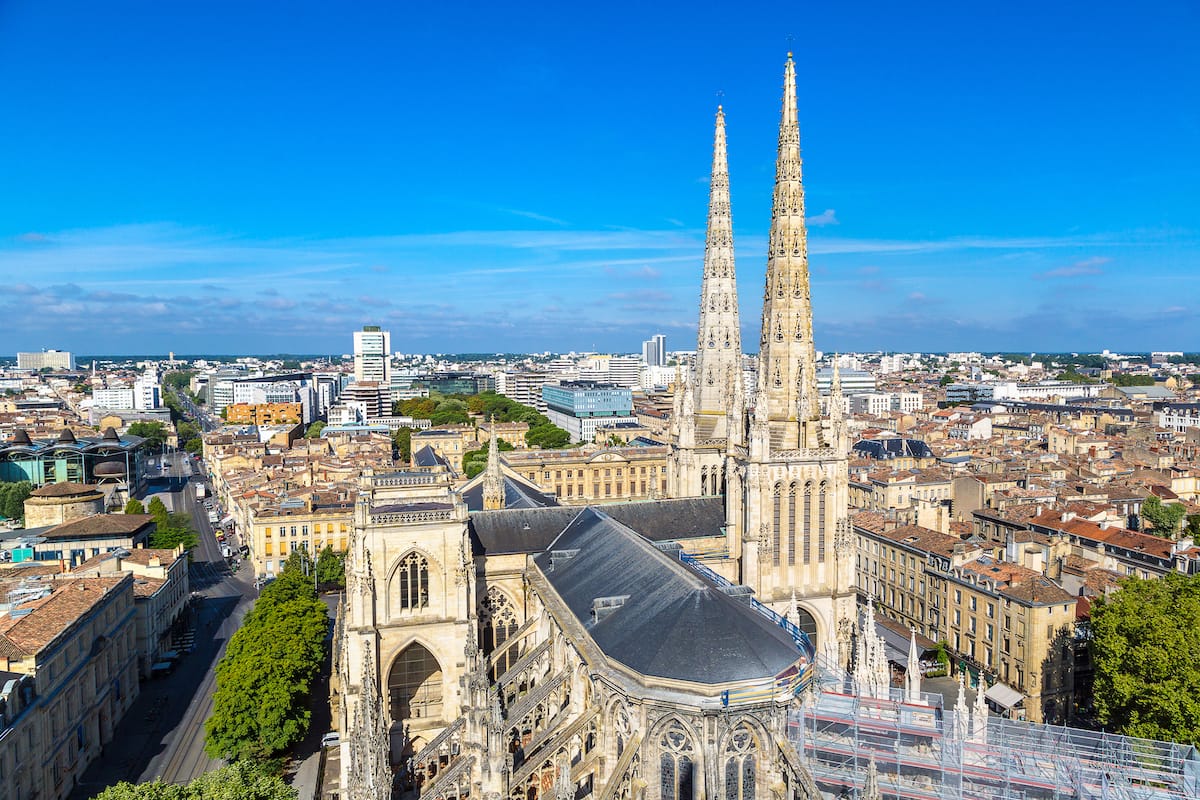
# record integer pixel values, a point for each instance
(81, 358)
(223, 176)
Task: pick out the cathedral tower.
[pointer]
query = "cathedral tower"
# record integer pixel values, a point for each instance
(786, 513)
(710, 399)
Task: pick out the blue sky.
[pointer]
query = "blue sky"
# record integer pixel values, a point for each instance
(251, 177)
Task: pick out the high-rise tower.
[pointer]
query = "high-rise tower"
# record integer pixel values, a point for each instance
(709, 403)
(786, 508)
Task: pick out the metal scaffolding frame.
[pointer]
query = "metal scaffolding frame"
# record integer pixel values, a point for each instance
(925, 752)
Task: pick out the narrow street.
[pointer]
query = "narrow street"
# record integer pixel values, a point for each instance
(162, 735)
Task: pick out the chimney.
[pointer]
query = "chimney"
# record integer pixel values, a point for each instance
(154, 562)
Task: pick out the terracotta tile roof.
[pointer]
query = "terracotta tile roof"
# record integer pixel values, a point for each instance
(924, 539)
(50, 616)
(1018, 582)
(147, 587)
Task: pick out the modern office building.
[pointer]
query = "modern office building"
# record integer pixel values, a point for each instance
(579, 407)
(654, 351)
(373, 355)
(46, 359)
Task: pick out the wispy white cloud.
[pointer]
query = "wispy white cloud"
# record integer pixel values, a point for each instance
(533, 215)
(1086, 267)
(826, 217)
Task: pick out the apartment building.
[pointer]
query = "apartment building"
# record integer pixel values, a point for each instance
(68, 674)
(1009, 621)
(275, 531)
(593, 474)
(161, 590)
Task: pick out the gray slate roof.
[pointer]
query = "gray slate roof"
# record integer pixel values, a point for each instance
(428, 457)
(531, 530)
(517, 494)
(675, 623)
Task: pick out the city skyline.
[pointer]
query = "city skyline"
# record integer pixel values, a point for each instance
(270, 186)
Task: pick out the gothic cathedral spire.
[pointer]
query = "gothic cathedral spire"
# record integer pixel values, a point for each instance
(493, 479)
(707, 416)
(787, 383)
(717, 378)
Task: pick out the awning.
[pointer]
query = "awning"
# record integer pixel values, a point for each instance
(1003, 695)
(226, 521)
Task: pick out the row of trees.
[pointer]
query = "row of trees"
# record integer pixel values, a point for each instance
(155, 434)
(171, 529)
(462, 409)
(13, 497)
(242, 780)
(265, 680)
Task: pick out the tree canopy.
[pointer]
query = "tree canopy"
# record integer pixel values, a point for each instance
(154, 432)
(331, 568)
(1146, 649)
(475, 461)
(135, 506)
(1163, 517)
(489, 405)
(241, 780)
(171, 529)
(402, 441)
(264, 681)
(13, 497)
(314, 430)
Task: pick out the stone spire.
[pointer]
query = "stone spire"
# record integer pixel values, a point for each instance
(912, 673)
(716, 379)
(493, 480)
(787, 381)
(871, 783)
(979, 714)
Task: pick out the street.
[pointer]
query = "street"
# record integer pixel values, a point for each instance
(162, 735)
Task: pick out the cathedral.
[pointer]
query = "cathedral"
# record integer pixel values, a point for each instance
(494, 644)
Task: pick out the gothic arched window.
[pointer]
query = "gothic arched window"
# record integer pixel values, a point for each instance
(775, 526)
(808, 511)
(677, 779)
(497, 623)
(741, 768)
(415, 685)
(791, 517)
(821, 523)
(412, 578)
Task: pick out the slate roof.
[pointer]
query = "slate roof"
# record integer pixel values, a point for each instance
(531, 530)
(674, 623)
(893, 447)
(517, 494)
(428, 457)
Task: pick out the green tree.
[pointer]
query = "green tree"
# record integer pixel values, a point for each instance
(134, 506)
(946, 380)
(13, 497)
(314, 430)
(195, 446)
(1163, 517)
(264, 681)
(1145, 641)
(402, 440)
(180, 380)
(154, 432)
(547, 436)
(1193, 526)
(242, 780)
(331, 568)
(1121, 379)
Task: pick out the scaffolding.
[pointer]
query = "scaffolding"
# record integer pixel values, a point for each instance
(925, 752)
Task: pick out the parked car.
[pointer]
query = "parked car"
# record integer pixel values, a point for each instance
(331, 739)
